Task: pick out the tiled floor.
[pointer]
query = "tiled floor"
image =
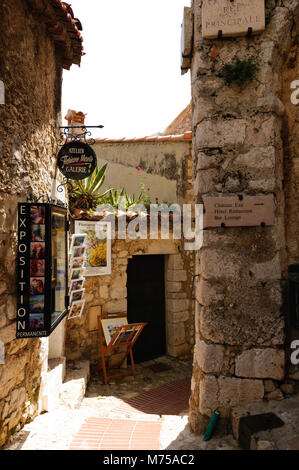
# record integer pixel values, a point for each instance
(126, 434)
(117, 434)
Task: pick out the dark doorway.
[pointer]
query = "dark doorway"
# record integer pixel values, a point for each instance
(146, 303)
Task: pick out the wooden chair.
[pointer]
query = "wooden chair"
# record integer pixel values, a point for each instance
(124, 336)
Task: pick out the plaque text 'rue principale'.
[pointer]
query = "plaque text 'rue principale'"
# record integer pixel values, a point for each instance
(232, 18)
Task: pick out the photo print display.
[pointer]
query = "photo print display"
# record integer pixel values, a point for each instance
(78, 251)
(76, 295)
(77, 273)
(77, 262)
(76, 285)
(78, 240)
(77, 270)
(76, 309)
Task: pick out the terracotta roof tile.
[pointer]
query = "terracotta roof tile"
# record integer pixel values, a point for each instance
(63, 27)
(182, 123)
(159, 138)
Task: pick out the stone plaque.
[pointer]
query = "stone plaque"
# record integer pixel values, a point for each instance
(238, 211)
(233, 18)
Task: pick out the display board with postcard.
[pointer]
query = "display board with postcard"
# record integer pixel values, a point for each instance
(77, 272)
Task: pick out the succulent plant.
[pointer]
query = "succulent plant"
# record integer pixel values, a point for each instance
(84, 194)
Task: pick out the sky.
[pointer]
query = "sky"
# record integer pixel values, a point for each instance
(129, 80)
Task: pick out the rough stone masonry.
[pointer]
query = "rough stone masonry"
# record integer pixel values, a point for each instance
(244, 142)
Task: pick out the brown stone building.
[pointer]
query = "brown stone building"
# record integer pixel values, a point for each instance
(37, 40)
(245, 142)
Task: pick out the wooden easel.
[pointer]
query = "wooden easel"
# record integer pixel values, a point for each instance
(125, 335)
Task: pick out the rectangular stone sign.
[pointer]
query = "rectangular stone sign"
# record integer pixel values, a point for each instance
(239, 211)
(233, 18)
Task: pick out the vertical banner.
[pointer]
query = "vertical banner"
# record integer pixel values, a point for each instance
(32, 271)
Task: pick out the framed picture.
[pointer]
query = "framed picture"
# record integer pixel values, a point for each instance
(76, 309)
(98, 246)
(77, 295)
(78, 240)
(76, 285)
(110, 326)
(77, 273)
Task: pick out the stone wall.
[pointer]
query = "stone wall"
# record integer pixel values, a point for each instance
(163, 162)
(108, 294)
(243, 142)
(32, 79)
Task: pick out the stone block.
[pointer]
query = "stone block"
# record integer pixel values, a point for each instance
(93, 314)
(211, 134)
(11, 307)
(115, 306)
(173, 287)
(270, 270)
(218, 264)
(8, 333)
(233, 392)
(205, 181)
(209, 357)
(208, 395)
(177, 317)
(257, 157)
(206, 293)
(118, 293)
(175, 262)
(180, 350)
(12, 373)
(176, 333)
(177, 305)
(261, 363)
(177, 275)
(276, 395)
(104, 292)
(269, 386)
(2, 316)
(288, 389)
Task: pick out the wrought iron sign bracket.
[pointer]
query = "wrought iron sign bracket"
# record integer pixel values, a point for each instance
(80, 138)
(84, 136)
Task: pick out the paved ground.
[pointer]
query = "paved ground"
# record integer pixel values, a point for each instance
(134, 406)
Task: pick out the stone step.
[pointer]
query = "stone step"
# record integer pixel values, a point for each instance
(74, 387)
(282, 437)
(55, 376)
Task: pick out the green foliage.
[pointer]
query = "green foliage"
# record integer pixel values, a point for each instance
(120, 198)
(117, 197)
(84, 194)
(239, 71)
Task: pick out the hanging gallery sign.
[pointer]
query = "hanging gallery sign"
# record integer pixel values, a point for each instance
(228, 19)
(76, 160)
(42, 269)
(97, 248)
